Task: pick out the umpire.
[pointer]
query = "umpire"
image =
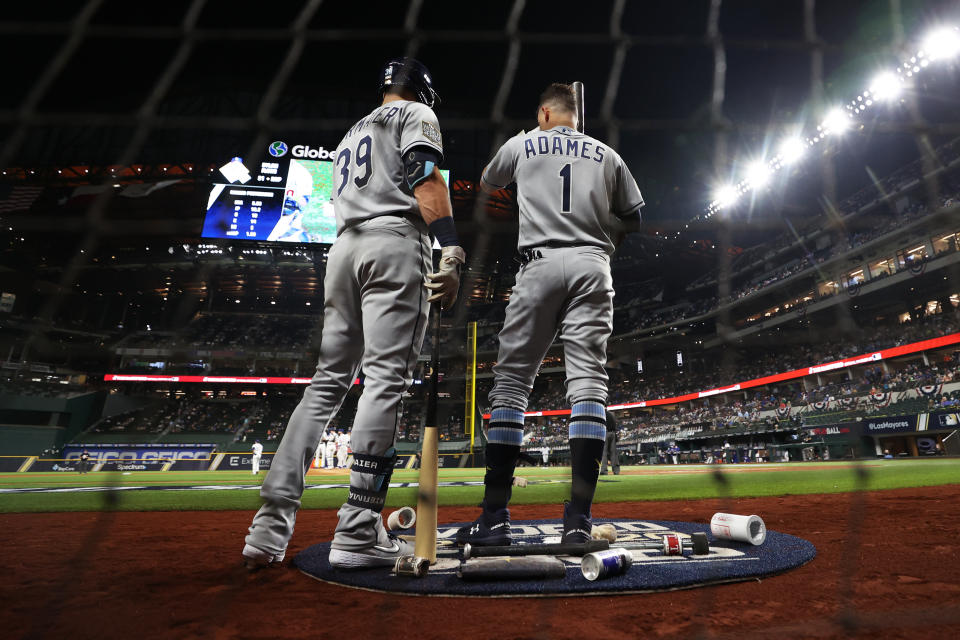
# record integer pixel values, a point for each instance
(610, 447)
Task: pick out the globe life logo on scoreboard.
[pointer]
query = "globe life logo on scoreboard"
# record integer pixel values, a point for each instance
(306, 151)
(279, 148)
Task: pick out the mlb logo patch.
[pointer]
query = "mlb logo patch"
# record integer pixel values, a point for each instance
(431, 133)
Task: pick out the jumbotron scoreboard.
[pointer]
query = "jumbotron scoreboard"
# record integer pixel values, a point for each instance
(286, 199)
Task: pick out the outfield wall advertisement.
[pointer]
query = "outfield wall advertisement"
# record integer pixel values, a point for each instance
(243, 461)
(142, 453)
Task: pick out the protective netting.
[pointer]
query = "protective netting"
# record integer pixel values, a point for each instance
(507, 41)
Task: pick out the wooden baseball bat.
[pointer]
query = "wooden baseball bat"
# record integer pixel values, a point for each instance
(425, 539)
(578, 96)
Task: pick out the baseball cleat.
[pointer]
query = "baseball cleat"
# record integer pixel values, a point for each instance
(254, 558)
(492, 528)
(383, 554)
(576, 526)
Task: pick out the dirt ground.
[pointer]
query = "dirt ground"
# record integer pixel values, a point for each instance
(893, 573)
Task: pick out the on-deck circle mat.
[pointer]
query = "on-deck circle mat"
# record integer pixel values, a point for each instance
(727, 561)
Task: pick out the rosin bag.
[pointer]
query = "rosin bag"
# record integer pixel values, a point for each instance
(728, 526)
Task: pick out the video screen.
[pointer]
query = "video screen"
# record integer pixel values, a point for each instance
(287, 200)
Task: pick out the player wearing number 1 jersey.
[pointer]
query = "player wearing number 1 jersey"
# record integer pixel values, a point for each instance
(388, 196)
(576, 196)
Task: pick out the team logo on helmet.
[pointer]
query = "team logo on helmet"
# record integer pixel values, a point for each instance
(277, 148)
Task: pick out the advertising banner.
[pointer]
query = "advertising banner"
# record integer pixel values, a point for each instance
(890, 424)
(948, 420)
(244, 461)
(101, 453)
(44, 464)
(134, 465)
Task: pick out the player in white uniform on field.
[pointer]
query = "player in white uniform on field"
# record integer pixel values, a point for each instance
(576, 196)
(257, 454)
(343, 441)
(329, 449)
(388, 196)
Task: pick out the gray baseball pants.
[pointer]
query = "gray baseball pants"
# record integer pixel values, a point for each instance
(375, 316)
(568, 291)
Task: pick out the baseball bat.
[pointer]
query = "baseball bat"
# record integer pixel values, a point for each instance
(425, 539)
(578, 97)
(533, 568)
(546, 549)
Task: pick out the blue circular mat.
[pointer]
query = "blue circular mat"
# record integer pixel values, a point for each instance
(728, 561)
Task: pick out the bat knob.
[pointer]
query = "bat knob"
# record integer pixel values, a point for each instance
(411, 566)
(403, 518)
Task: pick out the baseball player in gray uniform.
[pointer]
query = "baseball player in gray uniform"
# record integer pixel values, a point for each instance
(388, 197)
(576, 197)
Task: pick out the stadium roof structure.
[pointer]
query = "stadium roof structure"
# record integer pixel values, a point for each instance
(689, 94)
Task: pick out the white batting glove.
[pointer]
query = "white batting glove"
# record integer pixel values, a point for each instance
(445, 283)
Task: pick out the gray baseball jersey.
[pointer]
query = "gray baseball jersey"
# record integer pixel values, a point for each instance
(568, 186)
(368, 164)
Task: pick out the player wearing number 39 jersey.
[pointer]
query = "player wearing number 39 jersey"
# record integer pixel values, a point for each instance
(389, 197)
(576, 197)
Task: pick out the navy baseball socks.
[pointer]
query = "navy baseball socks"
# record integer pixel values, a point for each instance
(504, 437)
(361, 541)
(587, 431)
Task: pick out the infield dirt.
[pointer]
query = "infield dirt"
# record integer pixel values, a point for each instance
(894, 573)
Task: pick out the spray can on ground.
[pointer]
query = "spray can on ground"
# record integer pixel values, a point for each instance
(604, 564)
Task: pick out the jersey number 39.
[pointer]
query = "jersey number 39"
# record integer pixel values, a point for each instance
(362, 161)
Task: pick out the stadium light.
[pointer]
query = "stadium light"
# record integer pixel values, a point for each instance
(758, 174)
(791, 150)
(726, 196)
(886, 86)
(942, 43)
(836, 121)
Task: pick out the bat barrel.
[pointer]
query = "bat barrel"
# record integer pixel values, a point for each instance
(532, 568)
(425, 540)
(578, 96)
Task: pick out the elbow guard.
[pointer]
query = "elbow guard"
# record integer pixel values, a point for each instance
(418, 164)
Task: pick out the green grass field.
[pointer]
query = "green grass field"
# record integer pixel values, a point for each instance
(546, 485)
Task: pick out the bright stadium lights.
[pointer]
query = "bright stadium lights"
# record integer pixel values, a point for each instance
(942, 43)
(726, 196)
(836, 122)
(791, 150)
(886, 86)
(758, 174)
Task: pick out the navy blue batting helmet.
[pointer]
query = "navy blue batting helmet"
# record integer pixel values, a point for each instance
(412, 74)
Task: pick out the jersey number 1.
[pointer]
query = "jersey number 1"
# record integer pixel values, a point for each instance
(566, 173)
(362, 160)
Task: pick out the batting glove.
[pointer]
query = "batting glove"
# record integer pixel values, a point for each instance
(445, 283)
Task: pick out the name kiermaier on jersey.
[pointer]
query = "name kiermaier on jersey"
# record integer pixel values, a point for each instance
(306, 151)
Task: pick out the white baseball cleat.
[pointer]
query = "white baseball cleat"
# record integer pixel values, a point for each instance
(254, 558)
